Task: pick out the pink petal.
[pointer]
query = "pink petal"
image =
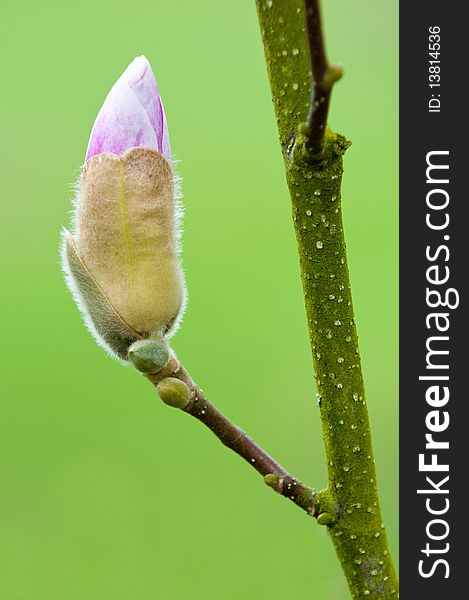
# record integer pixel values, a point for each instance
(142, 82)
(122, 123)
(132, 114)
(165, 146)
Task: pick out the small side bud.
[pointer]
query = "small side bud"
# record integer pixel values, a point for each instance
(174, 392)
(325, 518)
(333, 74)
(272, 481)
(149, 356)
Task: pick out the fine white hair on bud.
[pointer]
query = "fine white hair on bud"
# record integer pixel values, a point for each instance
(121, 261)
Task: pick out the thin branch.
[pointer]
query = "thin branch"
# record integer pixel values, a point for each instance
(177, 389)
(323, 78)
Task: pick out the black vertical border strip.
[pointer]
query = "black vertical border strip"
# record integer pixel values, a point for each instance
(422, 132)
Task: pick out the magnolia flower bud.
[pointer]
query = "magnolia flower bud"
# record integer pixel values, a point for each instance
(122, 259)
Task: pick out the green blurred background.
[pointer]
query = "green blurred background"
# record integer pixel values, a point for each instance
(106, 494)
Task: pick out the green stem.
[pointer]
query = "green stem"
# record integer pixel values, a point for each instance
(356, 528)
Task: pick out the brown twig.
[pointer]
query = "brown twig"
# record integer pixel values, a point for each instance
(177, 389)
(323, 78)
(275, 476)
